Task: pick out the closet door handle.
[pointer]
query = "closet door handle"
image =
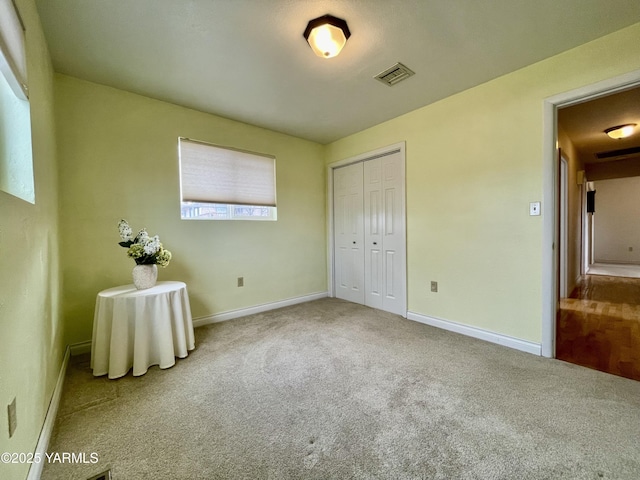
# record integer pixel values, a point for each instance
(375, 243)
(354, 243)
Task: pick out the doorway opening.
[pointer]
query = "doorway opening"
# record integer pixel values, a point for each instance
(573, 160)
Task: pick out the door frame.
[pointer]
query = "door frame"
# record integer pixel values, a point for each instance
(587, 219)
(550, 198)
(401, 146)
(564, 226)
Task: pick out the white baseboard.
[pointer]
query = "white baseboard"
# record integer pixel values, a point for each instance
(516, 343)
(49, 420)
(80, 348)
(615, 262)
(242, 312)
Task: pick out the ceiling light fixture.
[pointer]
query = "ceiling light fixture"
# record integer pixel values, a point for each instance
(621, 131)
(327, 35)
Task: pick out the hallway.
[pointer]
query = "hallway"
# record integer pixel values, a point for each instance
(599, 325)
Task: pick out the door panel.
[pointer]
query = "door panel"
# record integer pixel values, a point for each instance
(373, 228)
(343, 266)
(389, 277)
(375, 276)
(348, 221)
(389, 196)
(394, 240)
(374, 213)
(384, 180)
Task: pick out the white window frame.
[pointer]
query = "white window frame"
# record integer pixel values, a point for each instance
(16, 152)
(13, 59)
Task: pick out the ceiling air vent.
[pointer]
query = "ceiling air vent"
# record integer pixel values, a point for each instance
(394, 74)
(624, 152)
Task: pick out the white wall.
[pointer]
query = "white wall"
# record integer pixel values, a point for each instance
(617, 220)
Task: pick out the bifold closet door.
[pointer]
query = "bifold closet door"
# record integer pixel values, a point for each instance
(349, 232)
(384, 238)
(369, 233)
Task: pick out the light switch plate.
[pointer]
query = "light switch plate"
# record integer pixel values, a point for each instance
(534, 208)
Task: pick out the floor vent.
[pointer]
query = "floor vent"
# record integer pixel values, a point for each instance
(102, 476)
(394, 74)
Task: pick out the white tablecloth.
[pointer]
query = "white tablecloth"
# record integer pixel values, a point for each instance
(140, 328)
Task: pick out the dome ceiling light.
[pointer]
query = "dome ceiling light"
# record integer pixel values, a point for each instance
(327, 35)
(621, 131)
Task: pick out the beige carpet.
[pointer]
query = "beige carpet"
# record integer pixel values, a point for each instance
(333, 390)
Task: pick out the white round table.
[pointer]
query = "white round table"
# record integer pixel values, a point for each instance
(140, 328)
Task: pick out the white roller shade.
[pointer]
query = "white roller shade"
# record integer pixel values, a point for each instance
(212, 174)
(13, 61)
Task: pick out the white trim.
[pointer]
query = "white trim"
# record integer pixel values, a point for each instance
(243, 312)
(550, 142)
(80, 348)
(330, 244)
(366, 156)
(35, 471)
(549, 263)
(402, 147)
(505, 340)
(586, 231)
(564, 226)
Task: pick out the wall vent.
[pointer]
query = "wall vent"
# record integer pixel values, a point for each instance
(102, 476)
(394, 74)
(624, 152)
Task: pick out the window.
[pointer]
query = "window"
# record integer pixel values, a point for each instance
(16, 161)
(222, 183)
(13, 60)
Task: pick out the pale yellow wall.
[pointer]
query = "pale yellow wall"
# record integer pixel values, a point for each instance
(31, 343)
(468, 196)
(474, 162)
(574, 208)
(118, 159)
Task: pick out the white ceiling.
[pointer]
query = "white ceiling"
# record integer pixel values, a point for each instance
(247, 59)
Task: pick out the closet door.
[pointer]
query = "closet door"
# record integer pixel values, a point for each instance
(385, 237)
(373, 228)
(349, 232)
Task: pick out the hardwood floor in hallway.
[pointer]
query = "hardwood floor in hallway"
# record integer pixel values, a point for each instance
(599, 325)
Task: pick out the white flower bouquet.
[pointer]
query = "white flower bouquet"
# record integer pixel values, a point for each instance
(145, 250)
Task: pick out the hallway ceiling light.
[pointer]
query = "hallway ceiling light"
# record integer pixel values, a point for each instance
(327, 35)
(621, 131)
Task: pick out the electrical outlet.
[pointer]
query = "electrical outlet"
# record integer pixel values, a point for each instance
(434, 287)
(13, 419)
(241, 281)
